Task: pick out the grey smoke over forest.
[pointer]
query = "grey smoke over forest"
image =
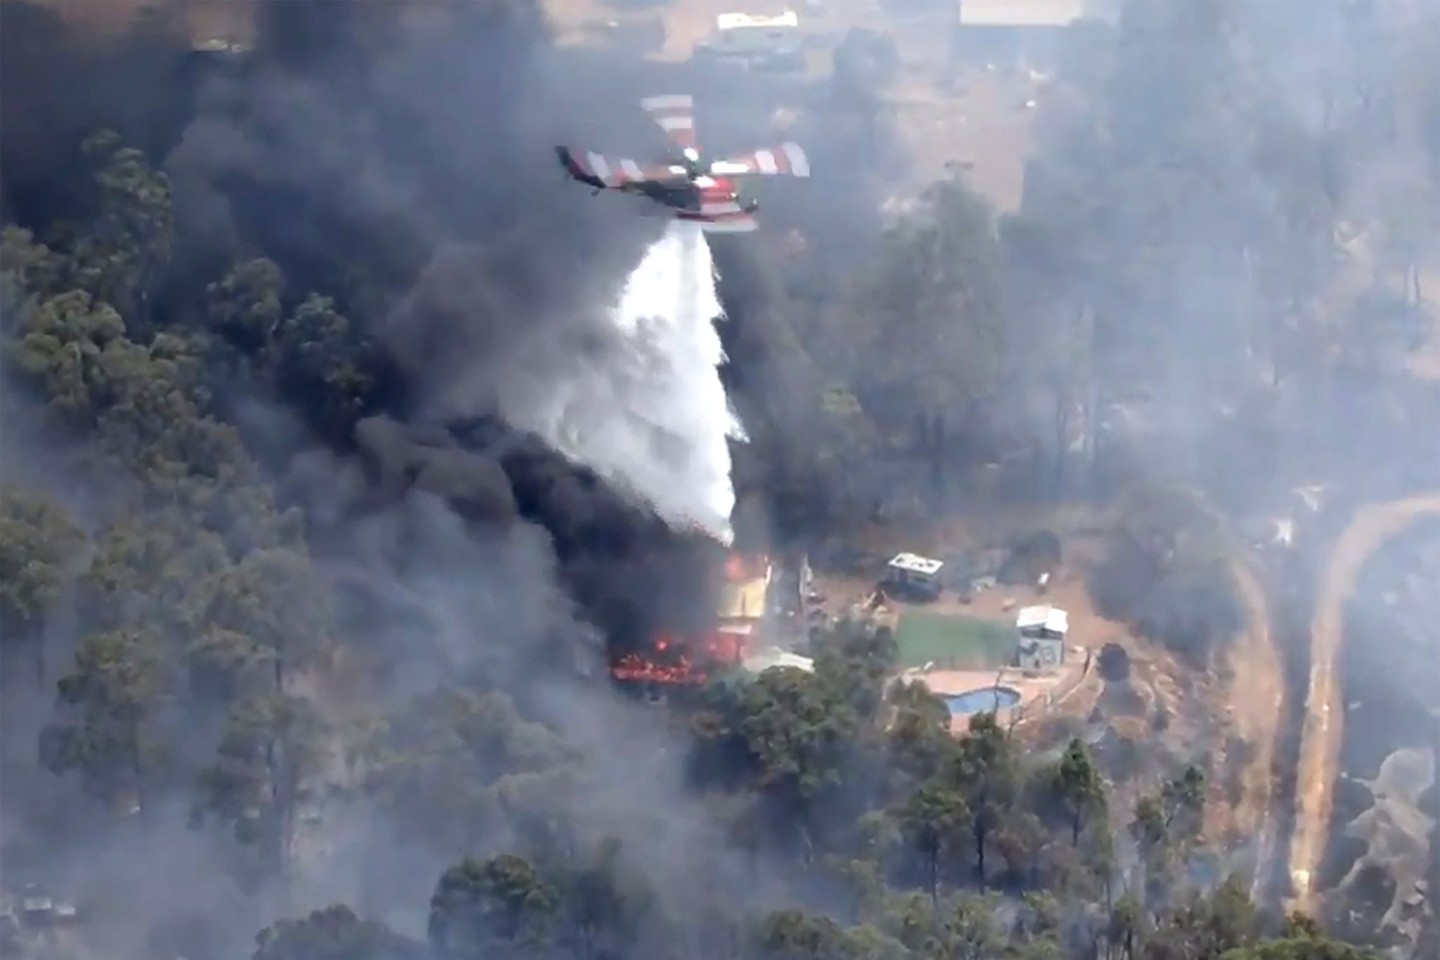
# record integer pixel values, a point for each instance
(412, 150)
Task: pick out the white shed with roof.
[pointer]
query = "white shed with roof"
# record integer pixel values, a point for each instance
(1020, 13)
(1042, 632)
(746, 35)
(914, 573)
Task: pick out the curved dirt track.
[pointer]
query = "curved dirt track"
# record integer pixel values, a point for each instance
(1320, 739)
(1257, 696)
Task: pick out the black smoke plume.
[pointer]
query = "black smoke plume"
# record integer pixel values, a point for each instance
(396, 157)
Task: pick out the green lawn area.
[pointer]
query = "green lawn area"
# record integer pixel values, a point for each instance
(953, 641)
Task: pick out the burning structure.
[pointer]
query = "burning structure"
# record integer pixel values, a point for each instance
(737, 628)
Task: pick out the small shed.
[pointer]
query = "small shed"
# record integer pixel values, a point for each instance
(1012, 31)
(743, 36)
(767, 659)
(915, 574)
(1042, 631)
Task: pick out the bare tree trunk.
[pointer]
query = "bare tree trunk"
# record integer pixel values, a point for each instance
(980, 832)
(1063, 406)
(934, 853)
(137, 770)
(37, 652)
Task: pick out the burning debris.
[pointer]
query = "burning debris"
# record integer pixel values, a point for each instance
(738, 628)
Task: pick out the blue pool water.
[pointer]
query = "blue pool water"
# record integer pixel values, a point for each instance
(983, 700)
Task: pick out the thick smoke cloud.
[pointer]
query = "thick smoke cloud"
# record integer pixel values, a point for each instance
(421, 135)
(397, 157)
(408, 145)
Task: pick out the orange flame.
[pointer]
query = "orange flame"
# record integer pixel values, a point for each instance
(678, 660)
(635, 668)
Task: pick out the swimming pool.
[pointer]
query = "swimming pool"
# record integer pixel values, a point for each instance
(982, 700)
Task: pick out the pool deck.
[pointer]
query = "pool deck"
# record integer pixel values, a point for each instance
(1037, 691)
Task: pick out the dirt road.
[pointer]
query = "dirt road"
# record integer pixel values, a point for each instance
(1320, 737)
(1257, 703)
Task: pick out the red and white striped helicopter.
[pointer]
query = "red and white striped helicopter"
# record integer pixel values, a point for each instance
(695, 189)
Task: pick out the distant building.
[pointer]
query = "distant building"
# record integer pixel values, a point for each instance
(762, 41)
(36, 924)
(914, 575)
(1042, 631)
(770, 657)
(1014, 31)
(221, 45)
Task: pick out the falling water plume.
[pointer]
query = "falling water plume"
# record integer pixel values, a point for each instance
(653, 415)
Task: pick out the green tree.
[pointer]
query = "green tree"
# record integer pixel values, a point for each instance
(919, 735)
(143, 400)
(265, 769)
(937, 311)
(1301, 948)
(334, 933)
(800, 734)
(454, 763)
(871, 943)
(323, 363)
(959, 927)
(602, 906)
(1167, 570)
(986, 770)
(1126, 927)
(497, 907)
(109, 700)
(1076, 785)
(38, 542)
(971, 930)
(1299, 926)
(853, 662)
(935, 821)
(245, 306)
(154, 423)
(28, 272)
(1204, 927)
(145, 565)
(74, 349)
(1183, 801)
(1149, 827)
(796, 935)
(119, 257)
(258, 620)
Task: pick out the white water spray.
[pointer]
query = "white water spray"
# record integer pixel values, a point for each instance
(655, 417)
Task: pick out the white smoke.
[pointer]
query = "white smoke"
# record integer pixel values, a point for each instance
(652, 416)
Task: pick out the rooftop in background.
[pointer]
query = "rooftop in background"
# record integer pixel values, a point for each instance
(732, 21)
(220, 45)
(1048, 618)
(912, 563)
(1020, 13)
(762, 660)
(203, 19)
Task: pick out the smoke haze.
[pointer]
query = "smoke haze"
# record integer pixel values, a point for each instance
(539, 469)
